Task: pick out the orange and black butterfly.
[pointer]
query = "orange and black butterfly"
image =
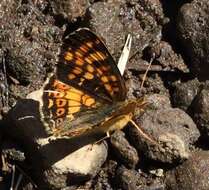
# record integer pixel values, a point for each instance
(87, 92)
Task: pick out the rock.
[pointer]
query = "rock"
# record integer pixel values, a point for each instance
(60, 159)
(105, 176)
(70, 10)
(123, 150)
(103, 24)
(191, 175)
(192, 24)
(157, 172)
(200, 113)
(30, 42)
(113, 20)
(159, 101)
(80, 165)
(127, 179)
(172, 128)
(185, 93)
(152, 85)
(167, 58)
(12, 152)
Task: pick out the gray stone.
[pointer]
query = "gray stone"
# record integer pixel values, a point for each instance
(172, 128)
(191, 175)
(66, 160)
(123, 150)
(200, 111)
(127, 179)
(192, 23)
(70, 9)
(185, 93)
(113, 20)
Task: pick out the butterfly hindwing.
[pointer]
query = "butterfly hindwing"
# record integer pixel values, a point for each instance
(61, 101)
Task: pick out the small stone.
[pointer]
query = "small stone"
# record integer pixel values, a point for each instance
(200, 111)
(157, 172)
(70, 9)
(184, 94)
(81, 165)
(192, 25)
(66, 160)
(123, 150)
(128, 179)
(172, 129)
(167, 58)
(193, 174)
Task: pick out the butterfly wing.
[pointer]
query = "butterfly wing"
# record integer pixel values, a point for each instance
(86, 79)
(86, 64)
(60, 102)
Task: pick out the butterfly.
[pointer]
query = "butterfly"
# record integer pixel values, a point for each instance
(86, 93)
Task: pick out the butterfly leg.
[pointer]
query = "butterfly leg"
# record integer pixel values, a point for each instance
(100, 140)
(144, 135)
(106, 137)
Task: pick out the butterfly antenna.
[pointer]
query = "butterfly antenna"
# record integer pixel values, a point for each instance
(145, 74)
(123, 60)
(144, 135)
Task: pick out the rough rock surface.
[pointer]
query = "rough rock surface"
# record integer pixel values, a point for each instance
(192, 24)
(31, 34)
(199, 109)
(185, 93)
(123, 150)
(172, 128)
(71, 10)
(30, 42)
(113, 20)
(129, 179)
(60, 159)
(192, 174)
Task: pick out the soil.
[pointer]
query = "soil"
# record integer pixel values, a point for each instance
(171, 34)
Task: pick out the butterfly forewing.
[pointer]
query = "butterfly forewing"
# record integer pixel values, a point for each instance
(86, 64)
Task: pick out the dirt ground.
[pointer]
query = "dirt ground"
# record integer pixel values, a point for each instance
(169, 150)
